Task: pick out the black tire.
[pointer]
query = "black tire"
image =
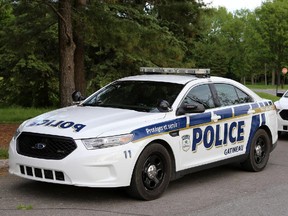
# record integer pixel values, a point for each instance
(152, 173)
(259, 152)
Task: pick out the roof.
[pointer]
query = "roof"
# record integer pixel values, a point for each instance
(179, 79)
(184, 79)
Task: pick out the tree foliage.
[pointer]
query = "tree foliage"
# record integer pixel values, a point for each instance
(114, 38)
(28, 62)
(273, 18)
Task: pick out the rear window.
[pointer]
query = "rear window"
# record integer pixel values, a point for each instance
(231, 95)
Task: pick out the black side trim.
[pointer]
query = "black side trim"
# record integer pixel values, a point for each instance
(182, 173)
(174, 133)
(274, 146)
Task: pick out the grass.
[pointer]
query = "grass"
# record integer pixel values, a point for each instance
(3, 153)
(24, 207)
(19, 114)
(267, 96)
(263, 86)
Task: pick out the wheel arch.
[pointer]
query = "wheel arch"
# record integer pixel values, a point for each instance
(259, 150)
(268, 131)
(171, 154)
(136, 188)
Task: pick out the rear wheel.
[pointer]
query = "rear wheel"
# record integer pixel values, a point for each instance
(259, 152)
(152, 173)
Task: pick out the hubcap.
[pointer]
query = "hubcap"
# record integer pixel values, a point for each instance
(260, 149)
(153, 172)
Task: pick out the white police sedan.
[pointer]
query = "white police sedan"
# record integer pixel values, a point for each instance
(282, 108)
(143, 131)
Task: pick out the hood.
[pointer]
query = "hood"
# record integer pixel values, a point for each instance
(85, 122)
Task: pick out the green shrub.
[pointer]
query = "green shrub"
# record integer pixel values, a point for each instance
(3, 153)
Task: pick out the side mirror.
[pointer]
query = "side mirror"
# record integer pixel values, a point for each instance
(190, 108)
(164, 106)
(280, 94)
(77, 97)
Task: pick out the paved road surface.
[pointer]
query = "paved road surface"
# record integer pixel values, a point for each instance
(223, 191)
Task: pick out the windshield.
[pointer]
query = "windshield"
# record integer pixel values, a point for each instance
(144, 96)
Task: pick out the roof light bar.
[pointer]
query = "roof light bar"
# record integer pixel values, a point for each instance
(191, 71)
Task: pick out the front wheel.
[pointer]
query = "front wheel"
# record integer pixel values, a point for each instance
(152, 173)
(259, 152)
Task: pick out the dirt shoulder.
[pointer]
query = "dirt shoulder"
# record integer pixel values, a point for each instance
(6, 133)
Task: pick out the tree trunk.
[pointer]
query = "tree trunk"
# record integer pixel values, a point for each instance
(265, 71)
(78, 33)
(252, 79)
(66, 49)
(273, 78)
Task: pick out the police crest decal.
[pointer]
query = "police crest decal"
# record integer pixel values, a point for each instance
(186, 144)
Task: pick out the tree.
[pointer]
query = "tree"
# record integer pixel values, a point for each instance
(120, 36)
(79, 55)
(71, 49)
(213, 49)
(66, 49)
(28, 61)
(273, 19)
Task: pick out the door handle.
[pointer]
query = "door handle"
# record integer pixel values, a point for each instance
(215, 118)
(251, 111)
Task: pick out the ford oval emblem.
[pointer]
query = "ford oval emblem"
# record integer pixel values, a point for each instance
(40, 146)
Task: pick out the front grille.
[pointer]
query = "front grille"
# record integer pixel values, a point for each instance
(42, 173)
(284, 114)
(45, 146)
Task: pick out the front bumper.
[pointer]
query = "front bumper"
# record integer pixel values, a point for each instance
(110, 167)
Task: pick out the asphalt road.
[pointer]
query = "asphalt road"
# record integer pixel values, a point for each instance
(222, 191)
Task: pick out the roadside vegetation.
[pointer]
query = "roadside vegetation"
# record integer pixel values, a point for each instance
(267, 96)
(111, 39)
(263, 86)
(272, 97)
(16, 115)
(19, 114)
(3, 153)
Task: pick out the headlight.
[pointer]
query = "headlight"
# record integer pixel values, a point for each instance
(19, 130)
(16, 134)
(106, 142)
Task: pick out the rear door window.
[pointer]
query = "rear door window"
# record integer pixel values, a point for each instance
(231, 95)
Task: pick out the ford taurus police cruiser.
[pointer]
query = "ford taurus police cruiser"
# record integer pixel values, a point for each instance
(143, 131)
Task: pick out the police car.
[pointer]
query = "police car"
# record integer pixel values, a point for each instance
(282, 108)
(143, 131)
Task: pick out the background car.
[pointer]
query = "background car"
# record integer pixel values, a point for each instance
(282, 113)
